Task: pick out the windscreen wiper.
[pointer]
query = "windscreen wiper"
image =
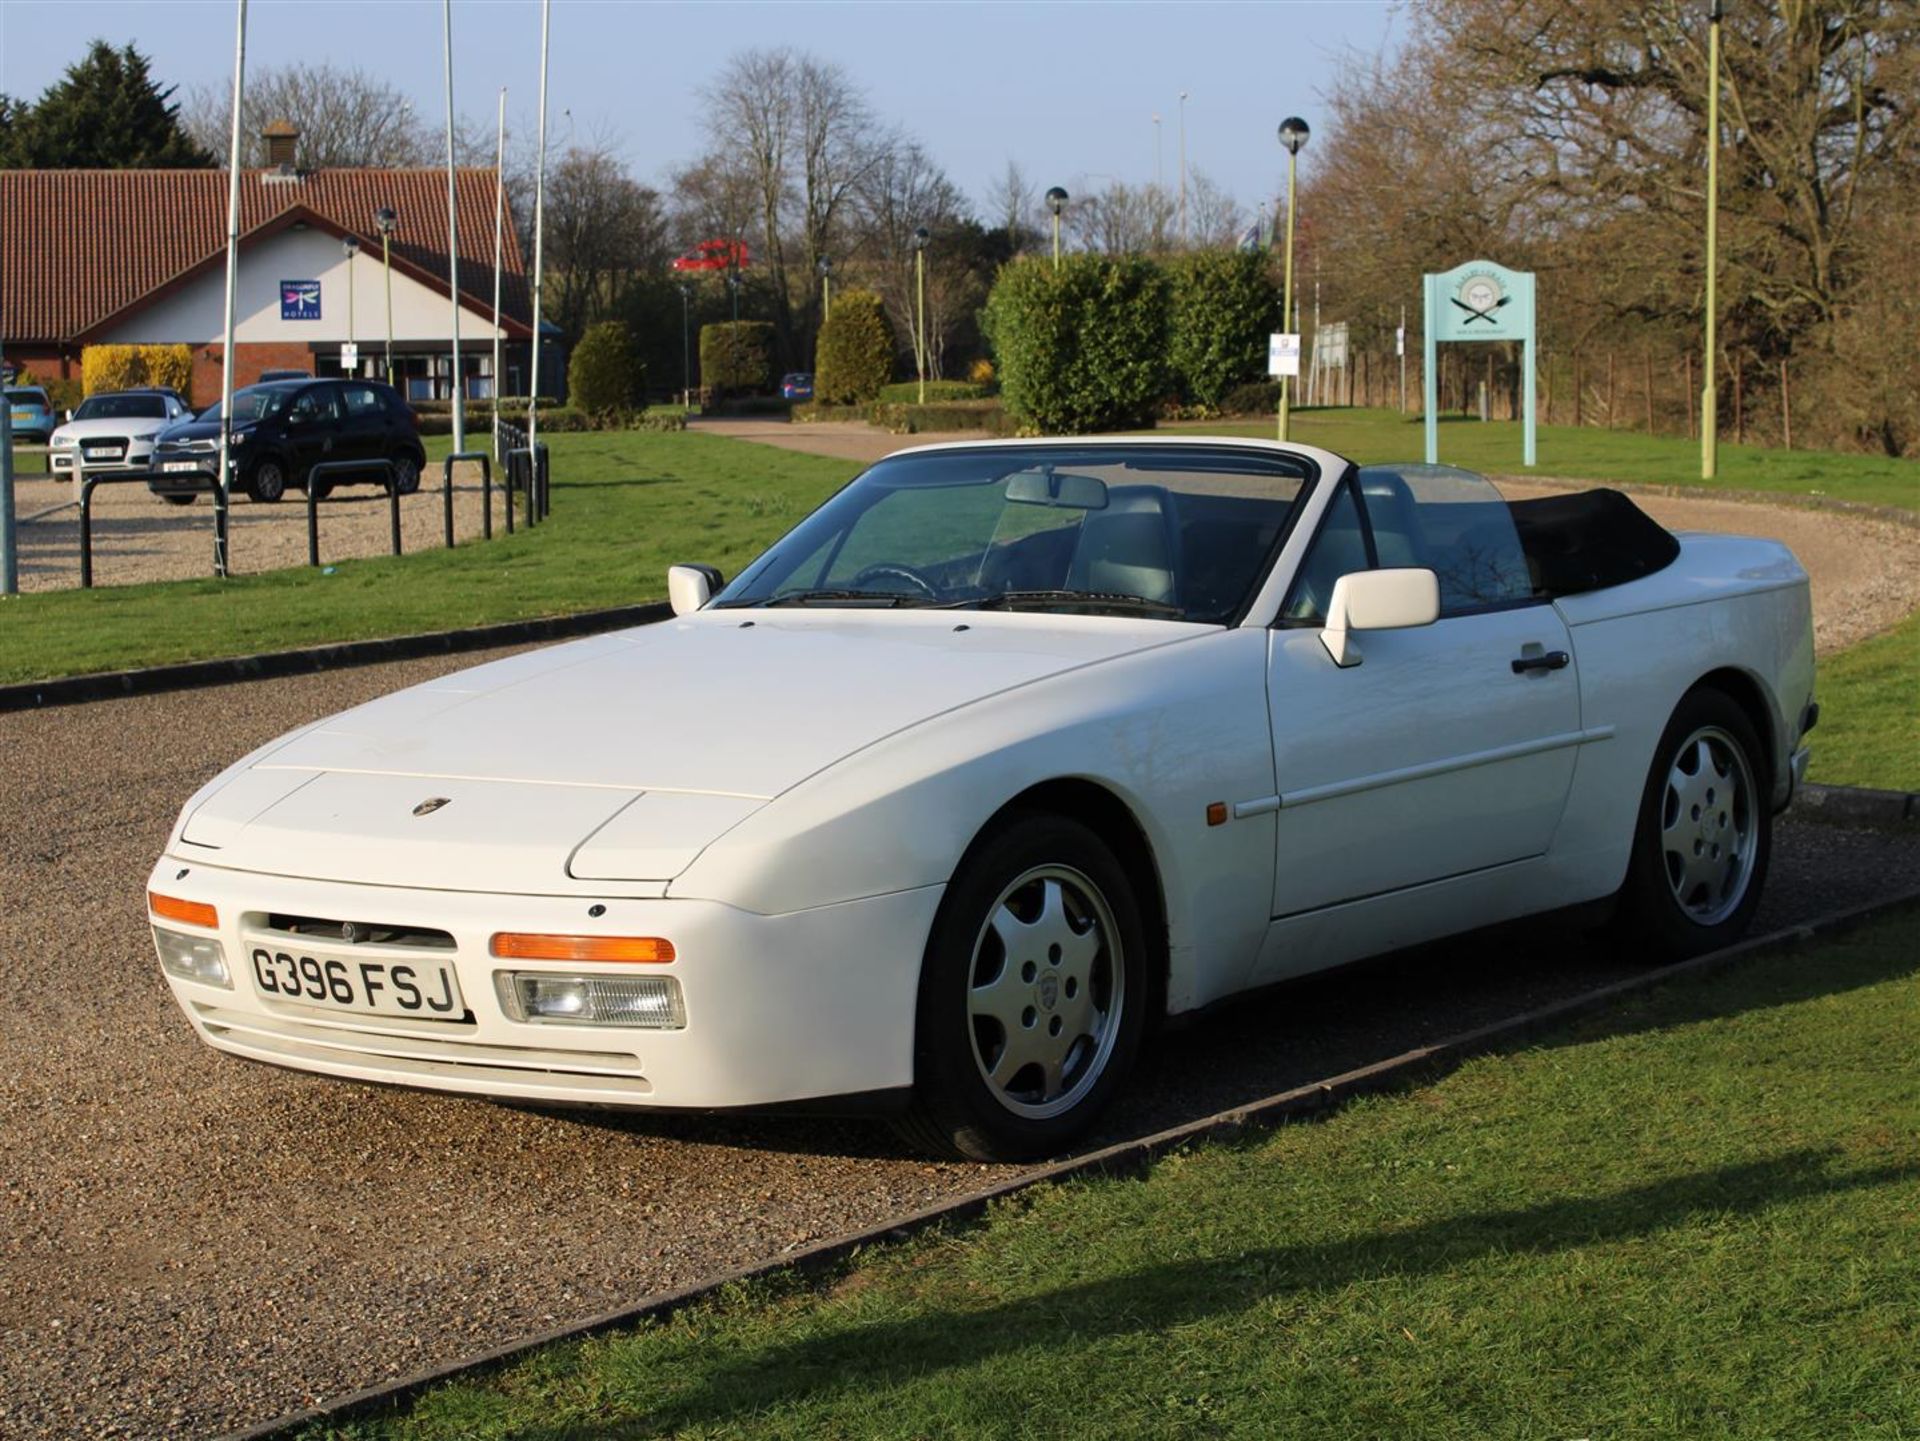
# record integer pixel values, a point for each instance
(1080, 599)
(889, 598)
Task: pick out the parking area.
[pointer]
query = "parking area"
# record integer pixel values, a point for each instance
(191, 1242)
(137, 536)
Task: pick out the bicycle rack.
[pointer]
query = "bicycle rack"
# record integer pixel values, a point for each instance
(486, 492)
(351, 467)
(98, 477)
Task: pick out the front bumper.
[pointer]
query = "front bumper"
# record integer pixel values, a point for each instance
(779, 1009)
(138, 457)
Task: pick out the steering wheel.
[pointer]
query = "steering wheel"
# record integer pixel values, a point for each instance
(886, 570)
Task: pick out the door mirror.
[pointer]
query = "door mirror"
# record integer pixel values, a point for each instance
(69, 415)
(689, 587)
(1377, 600)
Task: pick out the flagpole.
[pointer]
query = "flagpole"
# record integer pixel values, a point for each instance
(499, 217)
(223, 482)
(453, 241)
(539, 231)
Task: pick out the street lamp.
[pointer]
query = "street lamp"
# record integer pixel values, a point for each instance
(1056, 202)
(1293, 135)
(386, 221)
(686, 346)
(350, 247)
(825, 266)
(920, 239)
(733, 331)
(1709, 399)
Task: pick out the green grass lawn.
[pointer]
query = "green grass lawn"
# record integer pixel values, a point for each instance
(1586, 453)
(1696, 1215)
(1869, 731)
(626, 505)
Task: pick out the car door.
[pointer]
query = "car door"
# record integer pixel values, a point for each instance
(366, 428)
(312, 430)
(1449, 749)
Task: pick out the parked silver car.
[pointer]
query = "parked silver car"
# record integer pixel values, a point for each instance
(115, 430)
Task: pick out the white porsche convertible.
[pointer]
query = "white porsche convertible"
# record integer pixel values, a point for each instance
(1004, 754)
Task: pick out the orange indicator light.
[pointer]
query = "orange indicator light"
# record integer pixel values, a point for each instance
(1217, 813)
(194, 913)
(513, 945)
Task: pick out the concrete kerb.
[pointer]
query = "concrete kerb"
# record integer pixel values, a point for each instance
(1856, 806)
(1310, 1101)
(114, 685)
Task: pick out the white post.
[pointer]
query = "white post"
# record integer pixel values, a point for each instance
(453, 243)
(223, 482)
(539, 231)
(499, 217)
(9, 557)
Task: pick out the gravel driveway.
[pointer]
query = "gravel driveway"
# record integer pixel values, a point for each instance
(139, 537)
(190, 1242)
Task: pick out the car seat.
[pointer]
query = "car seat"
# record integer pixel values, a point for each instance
(1128, 547)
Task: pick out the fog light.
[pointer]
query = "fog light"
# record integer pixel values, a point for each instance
(192, 958)
(651, 1002)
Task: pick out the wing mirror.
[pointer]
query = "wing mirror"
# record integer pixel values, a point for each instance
(691, 586)
(69, 415)
(1377, 600)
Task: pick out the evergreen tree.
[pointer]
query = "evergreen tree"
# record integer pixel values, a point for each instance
(106, 114)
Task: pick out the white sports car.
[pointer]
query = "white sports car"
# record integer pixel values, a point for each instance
(1005, 753)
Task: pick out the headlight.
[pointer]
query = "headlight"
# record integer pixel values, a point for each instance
(239, 437)
(192, 958)
(61, 442)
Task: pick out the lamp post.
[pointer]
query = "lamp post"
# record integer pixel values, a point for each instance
(1709, 408)
(825, 266)
(1159, 165)
(1056, 202)
(350, 247)
(686, 347)
(386, 221)
(920, 239)
(733, 331)
(1183, 167)
(1293, 135)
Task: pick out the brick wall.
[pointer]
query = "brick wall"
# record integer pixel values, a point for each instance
(250, 358)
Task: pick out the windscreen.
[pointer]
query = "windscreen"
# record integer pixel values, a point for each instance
(256, 402)
(121, 407)
(1177, 532)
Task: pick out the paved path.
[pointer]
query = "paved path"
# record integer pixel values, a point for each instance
(189, 1242)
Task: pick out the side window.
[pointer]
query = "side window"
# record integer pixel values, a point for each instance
(1455, 524)
(362, 403)
(1339, 549)
(311, 405)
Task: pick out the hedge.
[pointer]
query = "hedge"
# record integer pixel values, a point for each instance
(602, 377)
(736, 356)
(129, 367)
(853, 357)
(1082, 347)
(1255, 397)
(907, 392)
(1224, 303)
(989, 416)
(559, 420)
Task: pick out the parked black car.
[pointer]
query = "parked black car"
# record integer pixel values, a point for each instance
(284, 428)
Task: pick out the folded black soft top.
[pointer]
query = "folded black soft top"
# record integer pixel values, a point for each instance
(1589, 540)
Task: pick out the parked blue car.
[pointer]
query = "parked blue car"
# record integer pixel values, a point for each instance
(32, 415)
(797, 386)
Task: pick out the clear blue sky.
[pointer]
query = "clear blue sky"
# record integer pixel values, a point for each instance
(1069, 90)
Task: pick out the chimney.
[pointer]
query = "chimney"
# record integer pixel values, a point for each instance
(281, 136)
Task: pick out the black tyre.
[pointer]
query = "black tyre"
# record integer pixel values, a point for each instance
(406, 471)
(1033, 995)
(267, 481)
(1705, 832)
(179, 499)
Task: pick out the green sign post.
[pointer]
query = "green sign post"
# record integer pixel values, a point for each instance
(1478, 301)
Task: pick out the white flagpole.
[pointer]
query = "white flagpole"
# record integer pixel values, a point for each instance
(539, 231)
(499, 217)
(223, 486)
(453, 244)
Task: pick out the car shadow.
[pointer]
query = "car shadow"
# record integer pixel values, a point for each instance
(1165, 1296)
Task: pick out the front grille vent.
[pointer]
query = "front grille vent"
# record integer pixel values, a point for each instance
(363, 933)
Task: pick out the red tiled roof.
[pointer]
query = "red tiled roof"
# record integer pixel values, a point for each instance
(77, 246)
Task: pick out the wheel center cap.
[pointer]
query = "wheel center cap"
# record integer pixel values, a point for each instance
(1049, 991)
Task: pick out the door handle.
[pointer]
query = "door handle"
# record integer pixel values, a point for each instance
(1551, 660)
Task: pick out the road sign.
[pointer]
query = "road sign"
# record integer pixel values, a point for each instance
(1480, 301)
(1283, 354)
(1400, 340)
(350, 357)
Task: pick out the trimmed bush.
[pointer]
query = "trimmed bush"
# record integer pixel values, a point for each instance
(62, 395)
(989, 416)
(808, 411)
(129, 367)
(907, 392)
(1081, 348)
(736, 357)
(559, 419)
(1254, 397)
(1224, 303)
(853, 358)
(603, 378)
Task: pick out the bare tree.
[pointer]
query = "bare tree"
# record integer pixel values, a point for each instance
(605, 232)
(346, 118)
(903, 191)
(1124, 220)
(1013, 203)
